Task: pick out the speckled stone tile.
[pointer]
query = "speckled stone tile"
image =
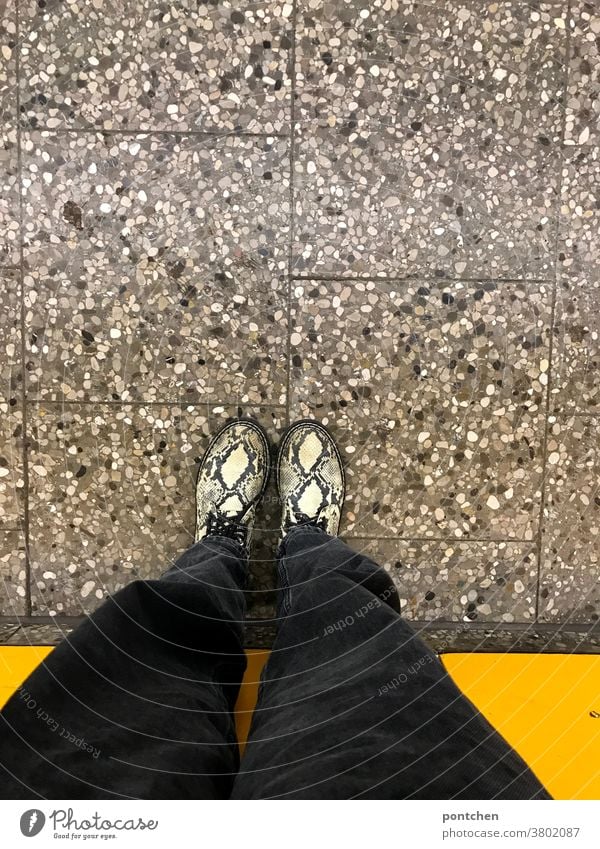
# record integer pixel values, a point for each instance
(8, 56)
(459, 581)
(136, 64)
(428, 137)
(11, 408)
(13, 577)
(155, 267)
(576, 360)
(579, 214)
(467, 200)
(576, 366)
(582, 113)
(112, 494)
(570, 580)
(420, 65)
(9, 199)
(436, 393)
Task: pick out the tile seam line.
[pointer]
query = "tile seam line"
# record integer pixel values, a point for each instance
(560, 414)
(446, 540)
(183, 404)
(541, 536)
(417, 279)
(581, 414)
(24, 436)
(292, 199)
(216, 134)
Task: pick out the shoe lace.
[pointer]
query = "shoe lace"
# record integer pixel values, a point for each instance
(303, 519)
(222, 526)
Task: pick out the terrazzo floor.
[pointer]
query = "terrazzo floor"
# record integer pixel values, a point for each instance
(379, 213)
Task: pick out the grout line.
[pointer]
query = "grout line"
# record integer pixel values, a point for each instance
(292, 200)
(111, 403)
(24, 436)
(326, 278)
(554, 283)
(448, 540)
(207, 134)
(566, 414)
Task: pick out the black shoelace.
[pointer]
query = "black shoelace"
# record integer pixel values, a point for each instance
(221, 526)
(303, 519)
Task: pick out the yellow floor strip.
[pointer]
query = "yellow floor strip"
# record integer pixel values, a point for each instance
(248, 694)
(16, 663)
(547, 706)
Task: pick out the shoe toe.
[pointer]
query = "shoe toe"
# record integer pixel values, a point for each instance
(310, 475)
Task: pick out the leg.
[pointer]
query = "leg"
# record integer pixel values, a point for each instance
(138, 701)
(353, 704)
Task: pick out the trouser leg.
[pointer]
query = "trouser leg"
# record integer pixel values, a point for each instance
(138, 701)
(354, 704)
